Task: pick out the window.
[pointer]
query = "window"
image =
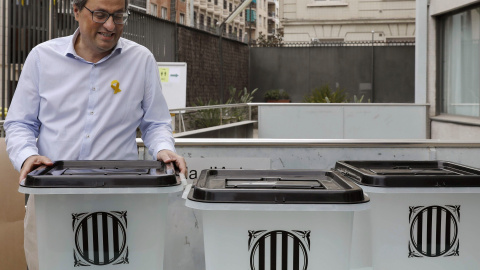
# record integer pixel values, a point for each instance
(230, 7)
(260, 20)
(209, 21)
(164, 13)
(202, 19)
(182, 18)
(215, 23)
(224, 4)
(153, 9)
(323, 3)
(240, 34)
(215, 2)
(460, 60)
(241, 13)
(229, 29)
(195, 17)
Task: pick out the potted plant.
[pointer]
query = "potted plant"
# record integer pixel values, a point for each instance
(277, 95)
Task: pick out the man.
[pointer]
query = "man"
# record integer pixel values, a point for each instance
(83, 97)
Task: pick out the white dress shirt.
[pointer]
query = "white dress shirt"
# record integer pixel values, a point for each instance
(80, 110)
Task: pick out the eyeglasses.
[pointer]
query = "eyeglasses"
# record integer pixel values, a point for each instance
(102, 16)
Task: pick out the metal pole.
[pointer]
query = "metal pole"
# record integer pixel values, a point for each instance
(373, 67)
(250, 26)
(221, 61)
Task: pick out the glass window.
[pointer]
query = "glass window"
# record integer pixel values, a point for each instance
(182, 18)
(224, 4)
(460, 53)
(153, 9)
(164, 13)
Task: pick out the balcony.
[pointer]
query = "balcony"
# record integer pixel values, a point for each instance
(210, 5)
(203, 4)
(225, 13)
(196, 3)
(217, 10)
(253, 25)
(271, 15)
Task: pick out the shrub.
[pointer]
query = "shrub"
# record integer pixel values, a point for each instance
(324, 94)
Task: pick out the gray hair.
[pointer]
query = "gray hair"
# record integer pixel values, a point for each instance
(81, 3)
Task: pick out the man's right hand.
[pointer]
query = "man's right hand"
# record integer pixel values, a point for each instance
(31, 163)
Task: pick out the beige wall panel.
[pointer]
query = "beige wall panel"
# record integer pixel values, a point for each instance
(450, 131)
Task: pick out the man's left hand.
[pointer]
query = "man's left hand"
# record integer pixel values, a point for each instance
(167, 156)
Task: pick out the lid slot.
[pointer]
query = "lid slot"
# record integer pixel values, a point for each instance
(273, 183)
(104, 171)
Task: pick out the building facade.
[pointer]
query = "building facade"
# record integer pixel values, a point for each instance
(347, 20)
(172, 10)
(448, 66)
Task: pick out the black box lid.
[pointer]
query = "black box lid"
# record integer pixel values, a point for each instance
(275, 186)
(397, 173)
(102, 174)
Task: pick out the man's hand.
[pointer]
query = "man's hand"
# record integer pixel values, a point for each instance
(168, 156)
(31, 163)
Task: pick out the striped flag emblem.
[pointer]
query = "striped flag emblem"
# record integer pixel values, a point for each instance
(279, 250)
(434, 231)
(100, 238)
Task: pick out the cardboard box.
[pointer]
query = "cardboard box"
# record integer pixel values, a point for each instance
(12, 213)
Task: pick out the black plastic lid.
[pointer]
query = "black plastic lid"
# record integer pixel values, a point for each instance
(275, 186)
(395, 173)
(103, 174)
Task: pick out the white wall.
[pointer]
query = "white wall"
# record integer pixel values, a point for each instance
(342, 121)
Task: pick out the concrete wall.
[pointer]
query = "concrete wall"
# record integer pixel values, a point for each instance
(299, 70)
(342, 121)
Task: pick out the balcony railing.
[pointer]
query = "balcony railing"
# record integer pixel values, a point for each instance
(253, 24)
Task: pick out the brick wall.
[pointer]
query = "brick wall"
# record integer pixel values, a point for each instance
(200, 50)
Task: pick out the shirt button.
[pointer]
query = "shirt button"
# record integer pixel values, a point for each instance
(88, 136)
(93, 88)
(91, 113)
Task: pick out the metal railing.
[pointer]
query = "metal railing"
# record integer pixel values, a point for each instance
(192, 118)
(321, 43)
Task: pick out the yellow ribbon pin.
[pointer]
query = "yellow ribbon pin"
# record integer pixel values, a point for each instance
(116, 86)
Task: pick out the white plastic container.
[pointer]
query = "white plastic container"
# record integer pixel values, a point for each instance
(101, 214)
(258, 219)
(423, 215)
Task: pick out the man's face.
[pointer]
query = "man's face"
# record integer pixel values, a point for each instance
(97, 39)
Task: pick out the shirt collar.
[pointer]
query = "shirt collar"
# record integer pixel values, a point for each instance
(70, 51)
